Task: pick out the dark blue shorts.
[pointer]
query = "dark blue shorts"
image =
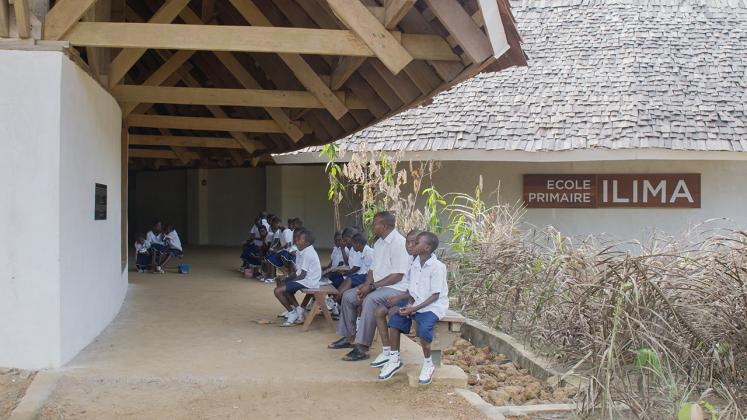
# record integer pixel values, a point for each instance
(143, 261)
(426, 324)
(336, 279)
(293, 287)
(278, 259)
(175, 252)
(357, 279)
(158, 247)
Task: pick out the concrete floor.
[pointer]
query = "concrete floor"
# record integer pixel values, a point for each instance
(191, 346)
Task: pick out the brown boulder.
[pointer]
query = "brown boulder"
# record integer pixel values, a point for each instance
(461, 344)
(473, 379)
(498, 397)
(515, 393)
(488, 383)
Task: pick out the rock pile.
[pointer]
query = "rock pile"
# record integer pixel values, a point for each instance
(500, 381)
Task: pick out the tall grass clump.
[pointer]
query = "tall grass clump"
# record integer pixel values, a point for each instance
(659, 326)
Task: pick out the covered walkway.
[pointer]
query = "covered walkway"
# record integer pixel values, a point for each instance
(191, 347)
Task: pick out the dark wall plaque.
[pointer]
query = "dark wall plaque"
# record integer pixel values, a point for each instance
(100, 202)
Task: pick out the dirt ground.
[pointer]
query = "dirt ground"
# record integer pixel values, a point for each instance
(94, 400)
(13, 385)
(191, 346)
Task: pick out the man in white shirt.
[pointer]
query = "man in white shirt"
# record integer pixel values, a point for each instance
(307, 275)
(427, 300)
(384, 280)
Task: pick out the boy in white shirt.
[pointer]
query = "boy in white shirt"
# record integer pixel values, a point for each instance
(306, 276)
(173, 246)
(360, 261)
(157, 247)
(427, 301)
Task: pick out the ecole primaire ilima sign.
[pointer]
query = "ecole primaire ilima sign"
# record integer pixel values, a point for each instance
(585, 191)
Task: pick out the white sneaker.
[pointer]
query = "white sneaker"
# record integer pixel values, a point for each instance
(292, 318)
(159, 270)
(335, 311)
(380, 360)
(426, 373)
(390, 368)
(358, 324)
(284, 314)
(310, 305)
(330, 303)
(269, 280)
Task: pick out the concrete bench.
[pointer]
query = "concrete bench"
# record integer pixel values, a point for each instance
(320, 305)
(448, 329)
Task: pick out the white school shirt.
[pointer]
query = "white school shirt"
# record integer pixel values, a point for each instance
(363, 259)
(426, 280)
(336, 256)
(390, 256)
(174, 241)
(142, 248)
(151, 238)
(254, 233)
(308, 260)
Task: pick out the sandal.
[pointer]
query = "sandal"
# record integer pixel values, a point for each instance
(355, 355)
(342, 343)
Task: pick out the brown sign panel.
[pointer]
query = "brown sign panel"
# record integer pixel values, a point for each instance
(612, 190)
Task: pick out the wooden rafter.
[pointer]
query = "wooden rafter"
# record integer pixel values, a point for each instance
(390, 16)
(226, 97)
(123, 62)
(248, 39)
(186, 141)
(63, 16)
(159, 154)
(23, 18)
(301, 69)
(462, 27)
(208, 124)
(158, 77)
(373, 33)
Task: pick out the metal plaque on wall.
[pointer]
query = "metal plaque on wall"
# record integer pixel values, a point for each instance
(100, 202)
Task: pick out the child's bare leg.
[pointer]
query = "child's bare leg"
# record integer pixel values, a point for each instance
(292, 299)
(394, 339)
(164, 259)
(381, 313)
(306, 300)
(426, 348)
(282, 297)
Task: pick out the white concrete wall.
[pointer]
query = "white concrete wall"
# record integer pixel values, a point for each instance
(61, 281)
(92, 285)
(29, 213)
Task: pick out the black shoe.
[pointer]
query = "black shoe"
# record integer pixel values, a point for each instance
(355, 355)
(342, 343)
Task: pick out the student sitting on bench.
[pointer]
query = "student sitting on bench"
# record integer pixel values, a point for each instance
(335, 259)
(426, 301)
(173, 245)
(308, 272)
(142, 254)
(157, 247)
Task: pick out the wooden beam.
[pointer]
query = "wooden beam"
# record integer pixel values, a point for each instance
(208, 124)
(389, 17)
(370, 30)
(63, 16)
(460, 25)
(127, 58)
(344, 69)
(247, 39)
(246, 80)
(300, 68)
(159, 154)
(171, 65)
(207, 10)
(225, 97)
(23, 18)
(4, 19)
(185, 141)
(395, 10)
